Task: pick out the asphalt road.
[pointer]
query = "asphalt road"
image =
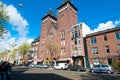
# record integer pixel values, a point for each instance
(22, 73)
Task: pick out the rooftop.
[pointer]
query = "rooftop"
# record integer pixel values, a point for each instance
(65, 2)
(102, 32)
(51, 14)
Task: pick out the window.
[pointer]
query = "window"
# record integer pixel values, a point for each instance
(62, 33)
(76, 34)
(97, 66)
(104, 65)
(35, 55)
(36, 48)
(62, 51)
(62, 42)
(107, 49)
(95, 50)
(33, 48)
(73, 35)
(51, 36)
(109, 60)
(75, 41)
(118, 47)
(75, 52)
(105, 37)
(93, 40)
(78, 41)
(80, 51)
(118, 35)
(96, 62)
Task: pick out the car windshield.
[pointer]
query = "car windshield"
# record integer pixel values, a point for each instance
(96, 66)
(104, 65)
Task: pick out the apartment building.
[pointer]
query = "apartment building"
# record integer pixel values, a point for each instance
(34, 50)
(102, 46)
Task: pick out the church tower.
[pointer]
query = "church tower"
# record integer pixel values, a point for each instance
(48, 31)
(67, 16)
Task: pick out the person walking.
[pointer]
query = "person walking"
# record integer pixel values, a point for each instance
(7, 69)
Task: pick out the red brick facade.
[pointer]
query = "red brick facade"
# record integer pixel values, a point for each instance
(106, 47)
(59, 27)
(99, 49)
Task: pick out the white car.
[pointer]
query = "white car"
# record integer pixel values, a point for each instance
(61, 66)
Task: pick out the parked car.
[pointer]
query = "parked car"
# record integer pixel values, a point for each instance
(44, 66)
(102, 68)
(61, 66)
(31, 65)
(76, 68)
(37, 65)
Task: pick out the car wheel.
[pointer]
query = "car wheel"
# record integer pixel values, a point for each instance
(92, 71)
(109, 72)
(61, 68)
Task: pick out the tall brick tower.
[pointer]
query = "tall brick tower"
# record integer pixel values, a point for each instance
(48, 31)
(67, 16)
(57, 30)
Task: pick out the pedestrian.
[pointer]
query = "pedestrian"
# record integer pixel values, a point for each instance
(7, 69)
(1, 72)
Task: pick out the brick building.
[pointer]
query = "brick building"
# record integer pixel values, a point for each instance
(65, 32)
(102, 46)
(57, 30)
(34, 50)
(77, 46)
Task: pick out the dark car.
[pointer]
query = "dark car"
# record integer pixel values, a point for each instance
(76, 68)
(102, 68)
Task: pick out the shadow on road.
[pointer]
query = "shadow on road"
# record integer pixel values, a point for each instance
(24, 74)
(100, 76)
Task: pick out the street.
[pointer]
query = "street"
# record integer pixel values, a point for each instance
(22, 73)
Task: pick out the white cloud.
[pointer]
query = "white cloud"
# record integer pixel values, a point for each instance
(107, 25)
(101, 26)
(19, 24)
(7, 42)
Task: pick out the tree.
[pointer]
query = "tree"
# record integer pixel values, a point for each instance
(24, 49)
(53, 48)
(4, 18)
(116, 62)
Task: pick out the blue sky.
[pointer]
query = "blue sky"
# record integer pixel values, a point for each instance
(25, 22)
